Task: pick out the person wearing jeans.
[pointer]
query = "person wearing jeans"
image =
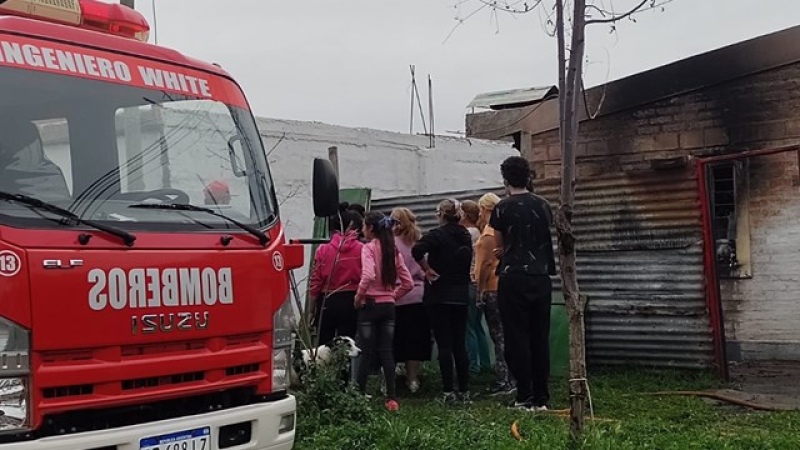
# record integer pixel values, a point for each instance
(445, 253)
(477, 341)
(484, 273)
(524, 244)
(381, 268)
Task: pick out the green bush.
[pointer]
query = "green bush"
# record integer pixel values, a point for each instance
(326, 399)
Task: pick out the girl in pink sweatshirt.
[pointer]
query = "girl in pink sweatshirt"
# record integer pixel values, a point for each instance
(335, 277)
(381, 268)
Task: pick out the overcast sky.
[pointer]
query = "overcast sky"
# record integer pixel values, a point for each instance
(346, 62)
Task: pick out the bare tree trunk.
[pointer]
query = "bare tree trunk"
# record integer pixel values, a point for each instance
(570, 90)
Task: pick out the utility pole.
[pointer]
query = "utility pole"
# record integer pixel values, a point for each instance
(333, 157)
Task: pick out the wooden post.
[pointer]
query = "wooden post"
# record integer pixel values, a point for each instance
(333, 157)
(526, 145)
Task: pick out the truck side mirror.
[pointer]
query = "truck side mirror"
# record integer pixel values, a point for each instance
(325, 189)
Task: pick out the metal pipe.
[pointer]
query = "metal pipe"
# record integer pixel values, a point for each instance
(713, 300)
(749, 154)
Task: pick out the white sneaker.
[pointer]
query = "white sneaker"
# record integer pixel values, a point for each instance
(539, 409)
(413, 386)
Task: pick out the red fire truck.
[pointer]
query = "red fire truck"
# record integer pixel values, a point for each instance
(144, 272)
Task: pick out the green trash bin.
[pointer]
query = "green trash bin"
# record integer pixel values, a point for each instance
(559, 336)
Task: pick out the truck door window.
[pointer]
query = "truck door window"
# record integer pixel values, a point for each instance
(97, 148)
(26, 162)
(184, 147)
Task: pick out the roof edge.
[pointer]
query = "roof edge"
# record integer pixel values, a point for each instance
(725, 64)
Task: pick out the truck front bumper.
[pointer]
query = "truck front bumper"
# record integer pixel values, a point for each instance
(265, 419)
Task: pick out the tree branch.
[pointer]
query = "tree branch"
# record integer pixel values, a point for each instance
(509, 8)
(619, 17)
(602, 12)
(293, 192)
(276, 144)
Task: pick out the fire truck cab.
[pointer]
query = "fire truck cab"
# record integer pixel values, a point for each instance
(144, 272)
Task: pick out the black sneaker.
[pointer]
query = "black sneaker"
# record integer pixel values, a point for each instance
(449, 399)
(516, 405)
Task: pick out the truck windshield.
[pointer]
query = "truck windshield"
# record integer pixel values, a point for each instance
(95, 148)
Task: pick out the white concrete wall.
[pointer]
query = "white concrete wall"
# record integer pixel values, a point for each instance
(391, 164)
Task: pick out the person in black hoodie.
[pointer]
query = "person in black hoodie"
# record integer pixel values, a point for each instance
(445, 253)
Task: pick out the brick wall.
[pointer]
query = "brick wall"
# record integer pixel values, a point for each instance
(760, 111)
(763, 313)
(753, 112)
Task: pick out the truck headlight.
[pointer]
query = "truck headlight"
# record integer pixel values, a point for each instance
(281, 363)
(14, 377)
(283, 325)
(282, 340)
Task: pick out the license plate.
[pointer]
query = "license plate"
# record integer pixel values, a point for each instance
(198, 439)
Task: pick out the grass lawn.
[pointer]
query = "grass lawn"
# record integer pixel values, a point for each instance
(630, 421)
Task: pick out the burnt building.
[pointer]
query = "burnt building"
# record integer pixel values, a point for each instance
(687, 203)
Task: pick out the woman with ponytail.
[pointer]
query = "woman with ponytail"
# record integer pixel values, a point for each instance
(381, 267)
(445, 253)
(335, 277)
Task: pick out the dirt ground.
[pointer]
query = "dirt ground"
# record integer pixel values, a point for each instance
(776, 383)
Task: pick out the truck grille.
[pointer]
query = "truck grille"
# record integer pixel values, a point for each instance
(161, 348)
(68, 391)
(250, 349)
(171, 380)
(66, 356)
(241, 370)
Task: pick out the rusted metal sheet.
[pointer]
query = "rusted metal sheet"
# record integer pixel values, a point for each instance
(424, 206)
(513, 98)
(640, 263)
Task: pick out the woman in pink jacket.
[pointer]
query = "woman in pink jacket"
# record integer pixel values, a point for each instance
(334, 280)
(381, 267)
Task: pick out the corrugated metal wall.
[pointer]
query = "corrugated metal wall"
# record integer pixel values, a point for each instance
(640, 263)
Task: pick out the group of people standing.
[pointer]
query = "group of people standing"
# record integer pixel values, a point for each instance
(396, 290)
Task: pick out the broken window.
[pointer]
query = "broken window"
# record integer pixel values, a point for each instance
(728, 183)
